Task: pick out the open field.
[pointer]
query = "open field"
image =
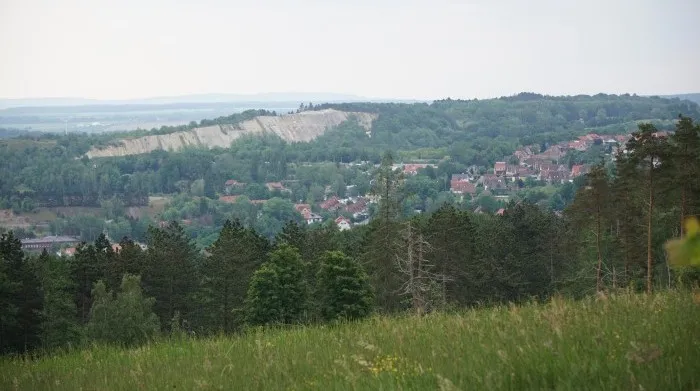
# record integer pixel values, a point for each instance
(623, 342)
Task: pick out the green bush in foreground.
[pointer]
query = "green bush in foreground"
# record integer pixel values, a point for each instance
(127, 319)
(343, 288)
(621, 342)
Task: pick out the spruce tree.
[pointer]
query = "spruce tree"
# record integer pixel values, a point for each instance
(22, 298)
(170, 275)
(380, 244)
(452, 239)
(343, 288)
(129, 260)
(59, 326)
(226, 273)
(86, 268)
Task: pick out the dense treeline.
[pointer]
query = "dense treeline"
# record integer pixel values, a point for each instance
(627, 211)
(49, 170)
(610, 238)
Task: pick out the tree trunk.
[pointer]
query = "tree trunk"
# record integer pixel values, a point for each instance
(649, 221)
(599, 282)
(682, 208)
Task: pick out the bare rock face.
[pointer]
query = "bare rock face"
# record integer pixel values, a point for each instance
(304, 126)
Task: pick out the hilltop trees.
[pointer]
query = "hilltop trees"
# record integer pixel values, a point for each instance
(685, 161)
(343, 288)
(59, 326)
(381, 243)
(647, 151)
(21, 299)
(278, 291)
(126, 319)
(592, 208)
(226, 273)
(170, 274)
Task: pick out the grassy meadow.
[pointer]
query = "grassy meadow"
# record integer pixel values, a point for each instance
(622, 342)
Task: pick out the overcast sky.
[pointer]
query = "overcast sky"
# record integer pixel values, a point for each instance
(383, 48)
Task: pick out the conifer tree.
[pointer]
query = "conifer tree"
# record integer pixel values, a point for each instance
(380, 243)
(647, 151)
(21, 298)
(590, 210)
(235, 256)
(452, 240)
(685, 152)
(627, 214)
(86, 269)
(59, 326)
(170, 275)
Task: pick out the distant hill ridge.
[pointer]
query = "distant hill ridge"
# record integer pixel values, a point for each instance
(304, 126)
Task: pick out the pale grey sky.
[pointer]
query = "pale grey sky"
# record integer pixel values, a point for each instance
(123, 49)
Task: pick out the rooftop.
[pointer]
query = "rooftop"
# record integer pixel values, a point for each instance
(51, 239)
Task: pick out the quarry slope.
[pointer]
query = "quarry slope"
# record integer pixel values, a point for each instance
(304, 126)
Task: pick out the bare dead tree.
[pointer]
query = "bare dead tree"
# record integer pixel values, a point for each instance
(419, 279)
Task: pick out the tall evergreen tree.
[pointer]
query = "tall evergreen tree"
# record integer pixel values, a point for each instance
(129, 260)
(226, 273)
(589, 212)
(293, 234)
(86, 269)
(170, 272)
(452, 240)
(627, 214)
(647, 151)
(381, 241)
(59, 326)
(23, 299)
(685, 152)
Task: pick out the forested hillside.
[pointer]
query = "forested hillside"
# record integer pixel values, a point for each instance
(52, 170)
(610, 239)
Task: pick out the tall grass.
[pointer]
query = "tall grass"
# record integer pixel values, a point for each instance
(618, 343)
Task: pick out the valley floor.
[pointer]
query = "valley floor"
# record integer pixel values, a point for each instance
(622, 342)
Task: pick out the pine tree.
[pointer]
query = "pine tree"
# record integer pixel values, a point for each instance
(292, 234)
(343, 288)
(19, 331)
(129, 260)
(170, 275)
(452, 239)
(380, 243)
(647, 151)
(235, 256)
(628, 211)
(685, 158)
(127, 319)
(85, 270)
(59, 326)
(278, 292)
(590, 210)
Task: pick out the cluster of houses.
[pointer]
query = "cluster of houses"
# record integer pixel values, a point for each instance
(343, 208)
(357, 207)
(542, 166)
